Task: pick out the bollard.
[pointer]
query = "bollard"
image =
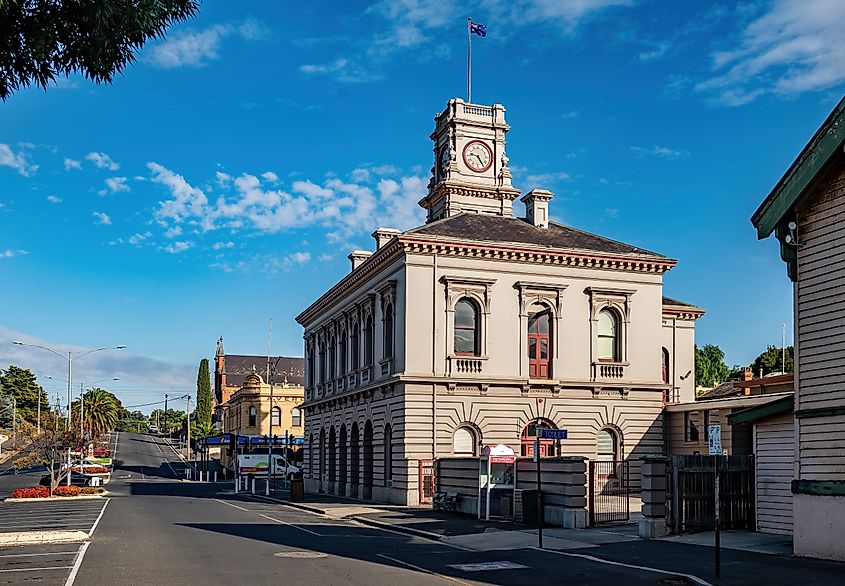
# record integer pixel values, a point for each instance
(253, 485)
(267, 487)
(215, 476)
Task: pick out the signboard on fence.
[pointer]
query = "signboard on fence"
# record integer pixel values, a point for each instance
(714, 433)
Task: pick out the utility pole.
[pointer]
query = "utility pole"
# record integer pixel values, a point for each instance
(188, 427)
(82, 410)
(270, 464)
(783, 350)
(39, 411)
(165, 415)
(14, 420)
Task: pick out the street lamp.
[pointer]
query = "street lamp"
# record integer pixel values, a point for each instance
(69, 358)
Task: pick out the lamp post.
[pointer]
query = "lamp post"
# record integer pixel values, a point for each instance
(69, 358)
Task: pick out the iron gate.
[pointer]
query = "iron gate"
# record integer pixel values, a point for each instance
(426, 481)
(609, 490)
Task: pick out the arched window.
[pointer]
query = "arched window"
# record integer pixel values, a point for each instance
(332, 357)
(322, 354)
(342, 353)
(539, 344)
(467, 336)
(311, 456)
(295, 417)
(608, 346)
(356, 345)
(369, 337)
(388, 330)
(548, 447)
(665, 360)
(464, 442)
(309, 353)
(607, 445)
(388, 455)
(253, 416)
(276, 417)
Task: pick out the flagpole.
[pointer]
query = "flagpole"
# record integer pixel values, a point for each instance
(469, 61)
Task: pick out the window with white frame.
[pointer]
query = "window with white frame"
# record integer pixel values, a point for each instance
(608, 336)
(467, 338)
(464, 442)
(253, 416)
(296, 417)
(276, 417)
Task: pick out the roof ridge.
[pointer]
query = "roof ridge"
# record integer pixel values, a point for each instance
(568, 227)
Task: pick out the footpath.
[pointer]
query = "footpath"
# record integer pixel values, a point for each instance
(746, 557)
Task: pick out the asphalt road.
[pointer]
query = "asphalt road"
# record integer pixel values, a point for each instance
(159, 530)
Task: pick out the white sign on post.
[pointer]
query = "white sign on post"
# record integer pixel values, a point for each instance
(3, 438)
(714, 433)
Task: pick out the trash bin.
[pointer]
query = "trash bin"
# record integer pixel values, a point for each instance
(297, 489)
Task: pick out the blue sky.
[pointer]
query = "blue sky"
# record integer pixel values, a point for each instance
(222, 179)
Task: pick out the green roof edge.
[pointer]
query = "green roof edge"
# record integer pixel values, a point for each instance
(751, 414)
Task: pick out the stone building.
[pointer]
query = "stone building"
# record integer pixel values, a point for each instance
(231, 370)
(806, 212)
(479, 326)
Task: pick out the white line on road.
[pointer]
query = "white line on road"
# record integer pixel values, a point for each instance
(77, 564)
(292, 525)
(695, 579)
(100, 516)
(29, 555)
(231, 505)
(166, 461)
(423, 570)
(37, 569)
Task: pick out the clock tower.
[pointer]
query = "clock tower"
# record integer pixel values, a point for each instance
(470, 172)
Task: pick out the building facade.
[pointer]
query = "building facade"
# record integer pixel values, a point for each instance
(230, 372)
(479, 326)
(806, 212)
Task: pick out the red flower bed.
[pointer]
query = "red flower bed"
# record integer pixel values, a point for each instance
(91, 469)
(36, 492)
(67, 491)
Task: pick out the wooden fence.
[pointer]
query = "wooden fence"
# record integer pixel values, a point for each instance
(690, 491)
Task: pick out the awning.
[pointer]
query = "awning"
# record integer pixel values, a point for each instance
(764, 411)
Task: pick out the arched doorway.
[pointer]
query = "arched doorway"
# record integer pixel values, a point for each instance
(332, 459)
(322, 462)
(368, 460)
(354, 459)
(342, 462)
(548, 447)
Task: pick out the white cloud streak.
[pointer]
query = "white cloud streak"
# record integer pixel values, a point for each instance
(16, 160)
(102, 161)
(102, 218)
(198, 48)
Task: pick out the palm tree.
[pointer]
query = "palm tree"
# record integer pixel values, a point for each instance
(101, 411)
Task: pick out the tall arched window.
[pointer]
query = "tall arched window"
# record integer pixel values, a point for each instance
(342, 353)
(467, 336)
(309, 353)
(295, 417)
(548, 447)
(253, 416)
(369, 337)
(388, 330)
(539, 344)
(665, 360)
(322, 354)
(608, 344)
(464, 442)
(388, 455)
(355, 343)
(607, 445)
(276, 417)
(332, 357)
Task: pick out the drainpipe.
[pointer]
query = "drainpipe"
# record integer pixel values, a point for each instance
(434, 359)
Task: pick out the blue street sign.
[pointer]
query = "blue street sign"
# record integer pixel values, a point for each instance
(558, 434)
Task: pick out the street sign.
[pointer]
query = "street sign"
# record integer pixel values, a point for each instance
(714, 433)
(557, 434)
(3, 438)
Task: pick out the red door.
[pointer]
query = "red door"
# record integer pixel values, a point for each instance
(539, 345)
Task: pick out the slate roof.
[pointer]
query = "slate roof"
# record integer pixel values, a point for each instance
(670, 301)
(501, 229)
(726, 389)
(237, 366)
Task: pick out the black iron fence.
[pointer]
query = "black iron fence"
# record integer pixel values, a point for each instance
(609, 491)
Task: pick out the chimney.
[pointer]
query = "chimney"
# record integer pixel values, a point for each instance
(357, 257)
(537, 207)
(383, 236)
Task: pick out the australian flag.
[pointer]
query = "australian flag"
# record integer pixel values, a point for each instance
(478, 29)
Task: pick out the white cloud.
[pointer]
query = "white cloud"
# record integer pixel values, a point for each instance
(197, 48)
(793, 47)
(177, 247)
(222, 245)
(658, 151)
(264, 263)
(115, 185)
(187, 200)
(102, 161)
(173, 232)
(138, 238)
(299, 258)
(72, 164)
(658, 52)
(612, 213)
(270, 176)
(16, 160)
(9, 253)
(54, 199)
(546, 179)
(102, 218)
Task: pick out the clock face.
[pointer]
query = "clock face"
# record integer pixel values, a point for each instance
(478, 156)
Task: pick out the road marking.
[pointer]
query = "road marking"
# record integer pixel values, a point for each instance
(38, 569)
(29, 555)
(231, 505)
(77, 564)
(166, 461)
(423, 570)
(292, 525)
(695, 579)
(488, 566)
(100, 516)
(305, 555)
